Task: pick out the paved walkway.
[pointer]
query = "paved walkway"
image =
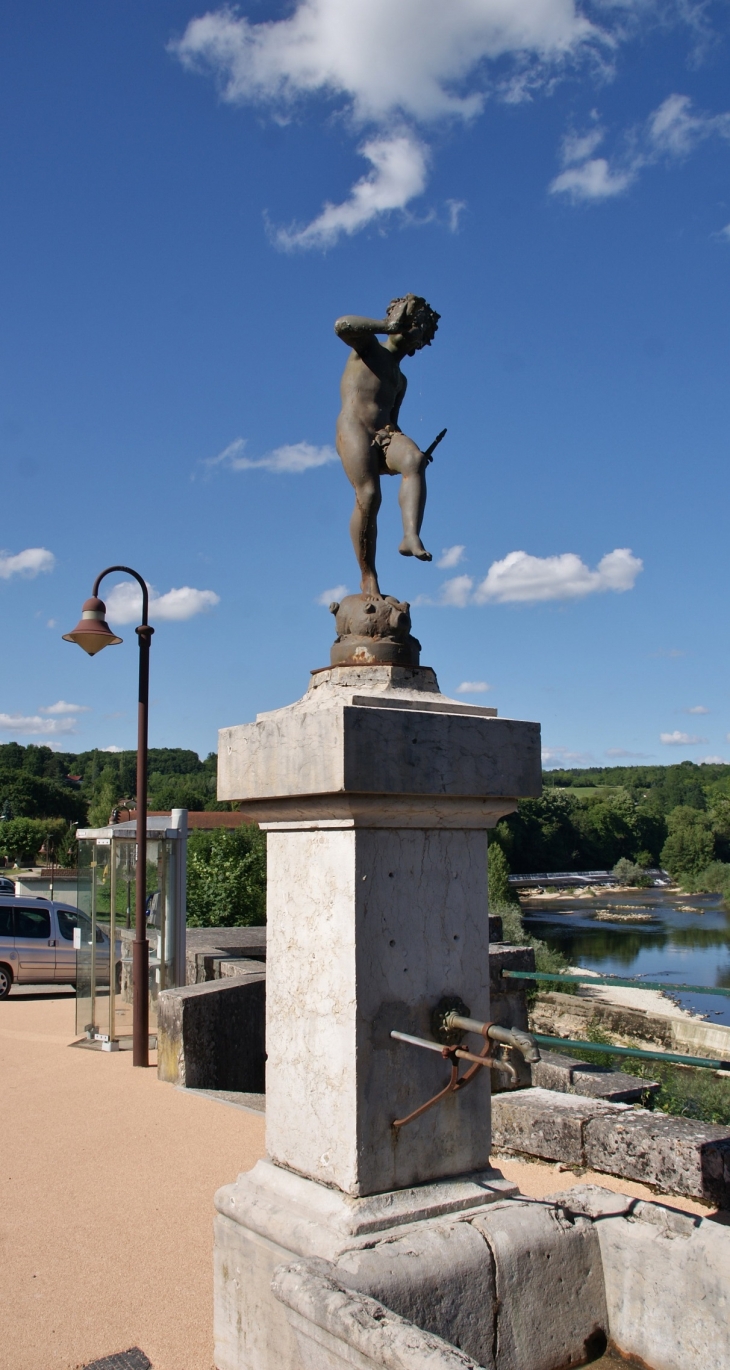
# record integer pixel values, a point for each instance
(106, 1214)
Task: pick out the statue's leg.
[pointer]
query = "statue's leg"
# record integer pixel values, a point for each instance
(405, 457)
(360, 460)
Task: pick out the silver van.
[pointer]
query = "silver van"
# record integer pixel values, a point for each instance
(37, 942)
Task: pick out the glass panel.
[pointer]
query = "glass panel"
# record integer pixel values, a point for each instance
(106, 896)
(84, 895)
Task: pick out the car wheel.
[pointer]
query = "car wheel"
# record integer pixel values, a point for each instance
(6, 980)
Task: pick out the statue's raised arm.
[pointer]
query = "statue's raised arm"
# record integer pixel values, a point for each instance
(369, 439)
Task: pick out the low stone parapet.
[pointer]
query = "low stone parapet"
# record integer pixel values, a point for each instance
(211, 1036)
(677, 1155)
(571, 1076)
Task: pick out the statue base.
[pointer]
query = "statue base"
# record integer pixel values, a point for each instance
(373, 630)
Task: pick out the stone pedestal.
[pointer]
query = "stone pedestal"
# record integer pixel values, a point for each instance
(376, 792)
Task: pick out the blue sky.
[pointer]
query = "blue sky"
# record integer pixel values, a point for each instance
(188, 203)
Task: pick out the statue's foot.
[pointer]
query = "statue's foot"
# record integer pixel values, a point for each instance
(412, 546)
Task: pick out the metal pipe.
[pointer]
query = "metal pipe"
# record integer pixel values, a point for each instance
(420, 1042)
(511, 1037)
(610, 980)
(670, 1056)
(463, 1055)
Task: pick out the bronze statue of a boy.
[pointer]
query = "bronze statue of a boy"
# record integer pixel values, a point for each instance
(369, 440)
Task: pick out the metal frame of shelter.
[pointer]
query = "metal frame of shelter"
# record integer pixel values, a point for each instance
(106, 894)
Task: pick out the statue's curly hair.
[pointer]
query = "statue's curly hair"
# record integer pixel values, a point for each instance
(418, 311)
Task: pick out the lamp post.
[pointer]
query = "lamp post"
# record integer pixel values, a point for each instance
(93, 633)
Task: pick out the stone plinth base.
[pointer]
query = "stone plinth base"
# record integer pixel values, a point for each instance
(270, 1216)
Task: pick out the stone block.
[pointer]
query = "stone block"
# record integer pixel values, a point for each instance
(570, 1076)
(541, 1122)
(665, 1276)
(337, 1328)
(550, 1303)
(439, 1276)
(368, 929)
(211, 1036)
(271, 1216)
(678, 1155)
(205, 946)
(399, 757)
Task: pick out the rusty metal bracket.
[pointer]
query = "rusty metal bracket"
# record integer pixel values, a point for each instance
(453, 1054)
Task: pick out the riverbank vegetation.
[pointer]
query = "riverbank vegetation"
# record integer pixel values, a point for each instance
(685, 1091)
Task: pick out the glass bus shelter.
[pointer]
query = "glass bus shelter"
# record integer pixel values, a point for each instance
(107, 868)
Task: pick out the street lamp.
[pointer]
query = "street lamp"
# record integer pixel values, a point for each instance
(93, 633)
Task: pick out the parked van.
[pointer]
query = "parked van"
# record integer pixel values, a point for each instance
(37, 942)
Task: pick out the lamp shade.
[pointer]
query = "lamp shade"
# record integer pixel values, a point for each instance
(92, 632)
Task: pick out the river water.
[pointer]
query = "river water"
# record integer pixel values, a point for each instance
(657, 934)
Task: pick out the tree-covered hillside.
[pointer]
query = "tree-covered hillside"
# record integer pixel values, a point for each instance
(44, 791)
(676, 816)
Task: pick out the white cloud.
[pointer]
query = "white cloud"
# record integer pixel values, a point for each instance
(456, 209)
(387, 65)
(711, 761)
(332, 596)
(671, 132)
(413, 57)
(292, 459)
(62, 707)
(398, 175)
(456, 593)
(678, 739)
(35, 726)
(697, 709)
(111, 749)
(561, 756)
(724, 233)
(28, 563)
(124, 603)
(521, 578)
(674, 130)
(450, 557)
(594, 180)
(473, 687)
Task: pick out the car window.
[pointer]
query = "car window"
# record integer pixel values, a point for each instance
(6, 922)
(69, 919)
(32, 923)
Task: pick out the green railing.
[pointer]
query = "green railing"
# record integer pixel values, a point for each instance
(565, 1042)
(672, 1056)
(610, 980)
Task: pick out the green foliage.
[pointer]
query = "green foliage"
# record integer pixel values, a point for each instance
(227, 878)
(690, 845)
(714, 879)
(22, 838)
(562, 831)
(500, 890)
(547, 961)
(686, 1091)
(31, 796)
(631, 873)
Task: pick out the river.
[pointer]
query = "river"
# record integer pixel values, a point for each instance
(667, 936)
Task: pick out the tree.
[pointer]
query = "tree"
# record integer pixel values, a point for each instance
(690, 845)
(500, 890)
(21, 839)
(227, 878)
